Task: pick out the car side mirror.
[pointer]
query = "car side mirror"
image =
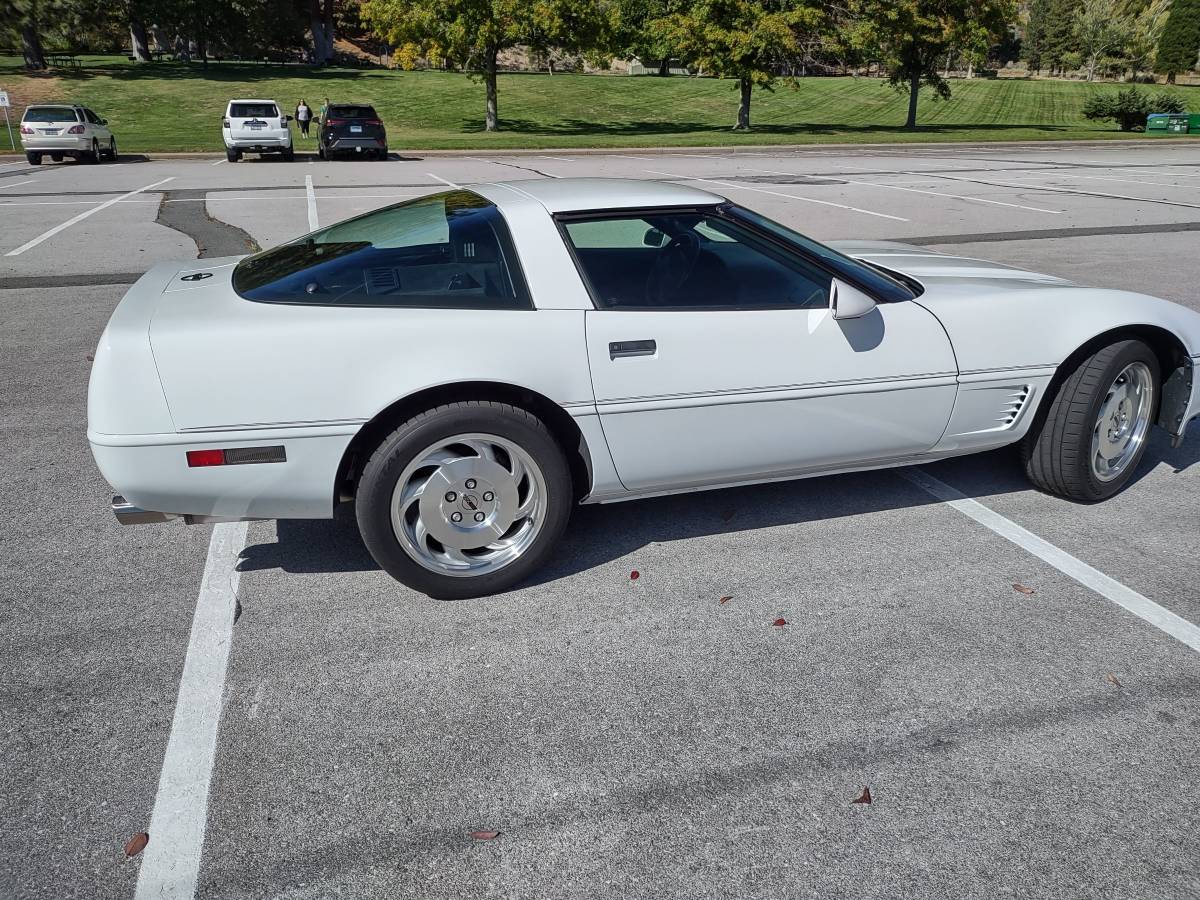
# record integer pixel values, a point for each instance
(654, 238)
(848, 301)
(104, 121)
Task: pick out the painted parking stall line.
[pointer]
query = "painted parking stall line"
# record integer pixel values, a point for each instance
(18, 183)
(742, 187)
(171, 862)
(442, 180)
(1127, 598)
(74, 220)
(313, 221)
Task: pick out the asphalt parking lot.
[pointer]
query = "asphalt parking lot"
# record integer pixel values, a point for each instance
(625, 737)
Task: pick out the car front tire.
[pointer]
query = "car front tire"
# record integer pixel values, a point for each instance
(112, 149)
(464, 500)
(1088, 443)
(93, 156)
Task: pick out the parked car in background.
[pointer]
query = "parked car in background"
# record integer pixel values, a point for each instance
(61, 130)
(256, 126)
(352, 128)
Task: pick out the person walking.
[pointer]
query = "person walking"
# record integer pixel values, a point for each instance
(303, 116)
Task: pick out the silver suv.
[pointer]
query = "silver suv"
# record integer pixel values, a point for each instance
(60, 130)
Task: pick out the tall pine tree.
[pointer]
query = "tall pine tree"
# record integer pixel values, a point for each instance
(1180, 43)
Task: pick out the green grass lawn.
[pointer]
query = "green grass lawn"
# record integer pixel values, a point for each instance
(176, 107)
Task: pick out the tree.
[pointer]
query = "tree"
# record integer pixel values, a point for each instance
(743, 39)
(1058, 39)
(1180, 42)
(1100, 27)
(912, 35)
(1148, 27)
(25, 18)
(1033, 47)
(1129, 108)
(471, 33)
(632, 34)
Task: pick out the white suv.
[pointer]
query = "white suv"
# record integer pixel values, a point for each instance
(60, 130)
(256, 126)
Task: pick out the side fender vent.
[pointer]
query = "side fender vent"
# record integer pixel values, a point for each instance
(1014, 404)
(382, 280)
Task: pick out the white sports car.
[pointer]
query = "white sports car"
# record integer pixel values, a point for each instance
(467, 366)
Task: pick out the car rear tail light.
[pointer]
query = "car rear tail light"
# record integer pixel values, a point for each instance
(224, 123)
(25, 129)
(236, 456)
(335, 121)
(75, 129)
(374, 122)
(283, 121)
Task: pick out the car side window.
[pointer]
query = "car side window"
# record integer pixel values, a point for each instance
(696, 260)
(92, 117)
(448, 251)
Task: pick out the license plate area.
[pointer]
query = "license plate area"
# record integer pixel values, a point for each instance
(356, 129)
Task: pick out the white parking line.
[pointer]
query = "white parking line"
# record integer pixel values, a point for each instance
(17, 163)
(313, 222)
(1058, 190)
(742, 187)
(559, 158)
(79, 218)
(1127, 598)
(442, 180)
(1058, 174)
(171, 861)
(219, 161)
(17, 183)
(896, 187)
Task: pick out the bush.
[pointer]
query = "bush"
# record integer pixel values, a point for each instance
(1129, 108)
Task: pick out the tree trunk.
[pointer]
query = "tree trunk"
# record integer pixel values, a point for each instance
(971, 69)
(1091, 76)
(914, 88)
(1170, 78)
(327, 21)
(139, 41)
(31, 46)
(493, 121)
(743, 118)
(664, 67)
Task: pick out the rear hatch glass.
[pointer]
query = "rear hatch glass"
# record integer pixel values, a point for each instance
(49, 114)
(253, 111)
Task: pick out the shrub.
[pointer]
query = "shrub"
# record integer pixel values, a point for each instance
(1129, 108)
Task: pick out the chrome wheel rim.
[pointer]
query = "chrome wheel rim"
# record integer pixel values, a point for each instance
(469, 505)
(1123, 421)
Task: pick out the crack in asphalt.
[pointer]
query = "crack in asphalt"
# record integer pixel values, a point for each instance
(211, 236)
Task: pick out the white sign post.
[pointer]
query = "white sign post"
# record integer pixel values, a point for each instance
(5, 104)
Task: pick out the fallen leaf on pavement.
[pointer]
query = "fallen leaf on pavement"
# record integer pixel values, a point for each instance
(635, 575)
(136, 844)
(1022, 589)
(864, 797)
(91, 358)
(484, 835)
(1112, 679)
(779, 623)
(726, 599)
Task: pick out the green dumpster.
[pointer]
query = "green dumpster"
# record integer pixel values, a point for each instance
(1177, 124)
(1194, 123)
(1157, 121)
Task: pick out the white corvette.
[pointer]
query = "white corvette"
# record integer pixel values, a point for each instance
(467, 366)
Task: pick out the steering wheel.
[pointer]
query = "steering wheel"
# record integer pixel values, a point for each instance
(672, 266)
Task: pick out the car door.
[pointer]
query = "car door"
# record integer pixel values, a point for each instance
(99, 130)
(716, 358)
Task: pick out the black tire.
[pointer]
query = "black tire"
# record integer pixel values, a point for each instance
(231, 155)
(289, 154)
(373, 498)
(321, 153)
(112, 149)
(383, 155)
(1058, 448)
(34, 159)
(94, 156)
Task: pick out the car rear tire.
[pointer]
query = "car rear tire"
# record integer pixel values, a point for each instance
(34, 159)
(289, 154)
(94, 156)
(112, 149)
(1088, 443)
(382, 155)
(464, 500)
(232, 155)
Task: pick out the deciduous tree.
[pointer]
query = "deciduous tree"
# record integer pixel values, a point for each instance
(912, 35)
(1100, 27)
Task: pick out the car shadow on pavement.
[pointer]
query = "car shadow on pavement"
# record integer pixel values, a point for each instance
(599, 534)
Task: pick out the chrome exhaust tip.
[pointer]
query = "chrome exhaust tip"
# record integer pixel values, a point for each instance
(128, 514)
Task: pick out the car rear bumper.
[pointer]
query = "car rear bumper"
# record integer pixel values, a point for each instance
(355, 144)
(39, 143)
(258, 144)
(155, 483)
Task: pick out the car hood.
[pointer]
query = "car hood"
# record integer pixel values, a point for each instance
(946, 275)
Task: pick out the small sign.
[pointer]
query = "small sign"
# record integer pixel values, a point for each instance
(4, 99)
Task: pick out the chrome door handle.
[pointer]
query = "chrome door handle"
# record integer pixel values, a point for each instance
(620, 349)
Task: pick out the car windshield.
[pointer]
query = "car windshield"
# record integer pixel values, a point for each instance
(49, 114)
(253, 110)
(352, 112)
(882, 286)
(448, 250)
